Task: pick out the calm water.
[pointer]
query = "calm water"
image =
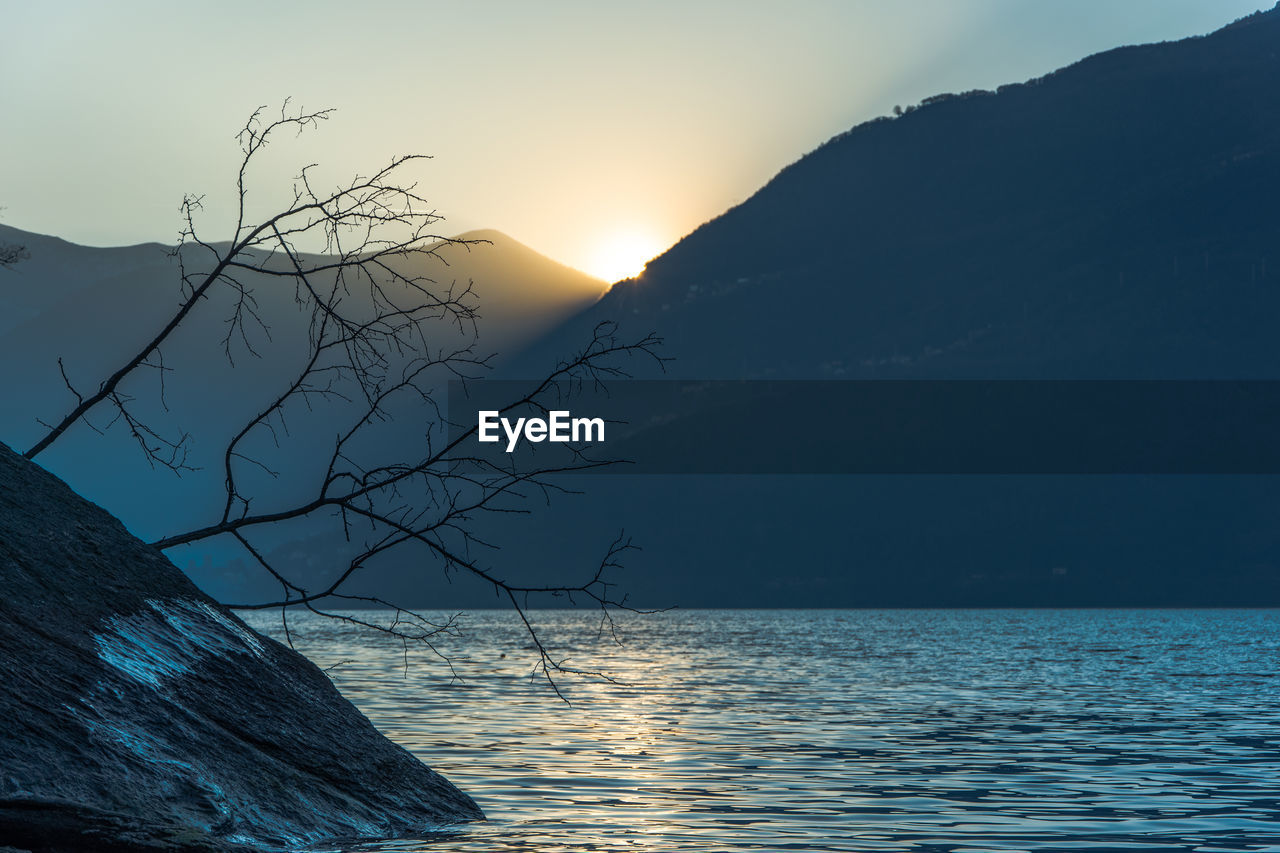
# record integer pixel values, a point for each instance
(844, 730)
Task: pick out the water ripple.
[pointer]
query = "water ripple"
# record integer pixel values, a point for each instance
(845, 730)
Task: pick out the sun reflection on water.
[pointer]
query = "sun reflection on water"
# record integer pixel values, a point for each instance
(835, 731)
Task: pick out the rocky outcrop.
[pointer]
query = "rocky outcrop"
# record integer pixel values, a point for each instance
(136, 713)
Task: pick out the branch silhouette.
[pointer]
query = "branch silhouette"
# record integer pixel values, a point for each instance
(347, 258)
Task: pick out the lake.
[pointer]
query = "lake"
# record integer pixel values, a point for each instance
(857, 730)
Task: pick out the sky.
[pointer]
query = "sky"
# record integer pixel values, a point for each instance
(599, 133)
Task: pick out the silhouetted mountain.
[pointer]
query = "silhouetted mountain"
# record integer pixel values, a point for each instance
(92, 305)
(95, 307)
(56, 271)
(1113, 218)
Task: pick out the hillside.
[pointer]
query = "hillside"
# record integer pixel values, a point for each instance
(1114, 218)
(94, 307)
(93, 304)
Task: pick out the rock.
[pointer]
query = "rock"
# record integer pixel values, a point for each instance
(136, 713)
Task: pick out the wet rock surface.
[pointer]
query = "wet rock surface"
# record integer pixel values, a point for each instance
(136, 713)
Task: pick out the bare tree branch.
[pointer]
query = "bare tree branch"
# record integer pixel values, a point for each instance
(367, 362)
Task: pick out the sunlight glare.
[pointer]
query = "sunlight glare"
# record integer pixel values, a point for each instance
(623, 255)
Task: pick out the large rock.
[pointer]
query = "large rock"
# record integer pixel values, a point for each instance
(135, 712)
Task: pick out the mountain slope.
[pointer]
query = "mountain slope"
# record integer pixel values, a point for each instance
(57, 270)
(522, 294)
(1114, 218)
(93, 308)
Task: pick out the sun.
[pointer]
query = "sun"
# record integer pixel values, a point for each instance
(623, 255)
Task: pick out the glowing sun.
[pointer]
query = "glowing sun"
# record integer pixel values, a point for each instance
(623, 255)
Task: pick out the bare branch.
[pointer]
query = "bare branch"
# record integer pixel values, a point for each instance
(366, 322)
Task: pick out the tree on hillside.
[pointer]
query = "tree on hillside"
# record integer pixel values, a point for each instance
(366, 361)
(11, 254)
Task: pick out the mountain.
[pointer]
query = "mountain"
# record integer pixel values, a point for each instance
(89, 304)
(57, 270)
(522, 294)
(93, 308)
(1113, 218)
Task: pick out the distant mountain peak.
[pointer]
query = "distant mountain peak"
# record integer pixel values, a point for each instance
(505, 241)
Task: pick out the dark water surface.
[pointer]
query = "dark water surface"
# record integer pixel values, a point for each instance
(843, 730)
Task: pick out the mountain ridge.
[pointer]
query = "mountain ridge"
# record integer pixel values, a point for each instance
(958, 227)
(86, 310)
(1113, 219)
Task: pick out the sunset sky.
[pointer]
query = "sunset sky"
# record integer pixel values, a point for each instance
(598, 133)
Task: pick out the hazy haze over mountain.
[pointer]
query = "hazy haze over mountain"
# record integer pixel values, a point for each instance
(94, 308)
